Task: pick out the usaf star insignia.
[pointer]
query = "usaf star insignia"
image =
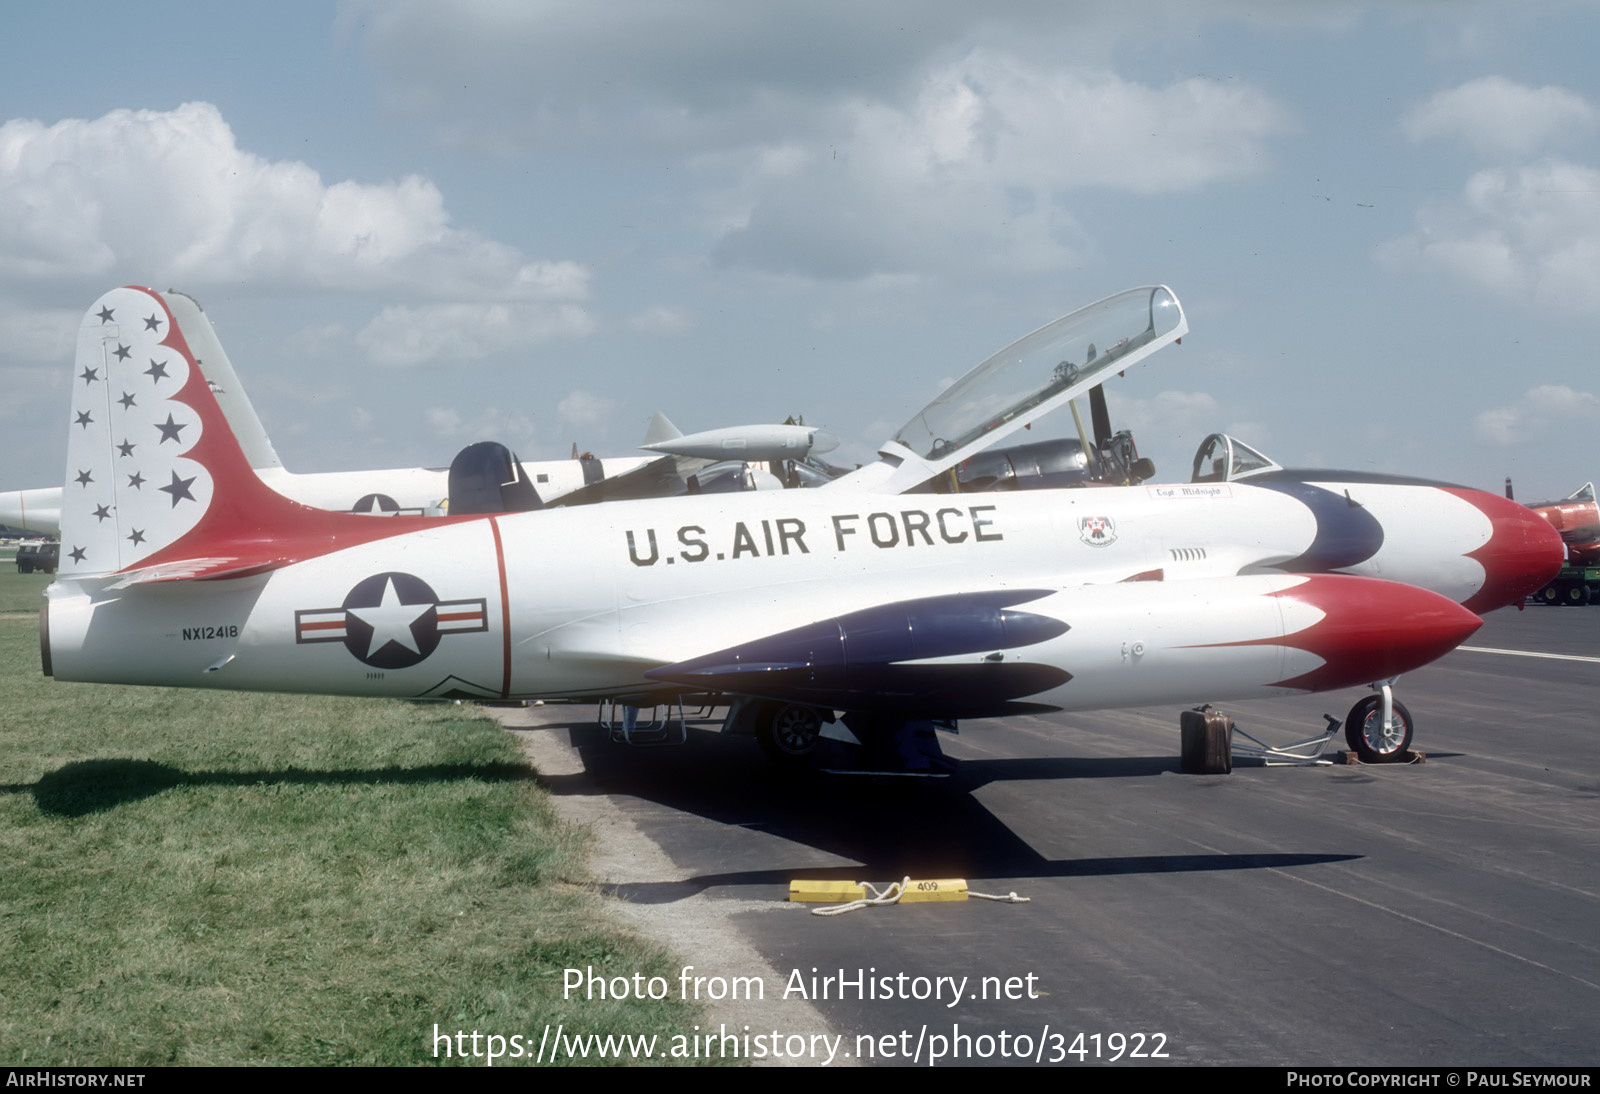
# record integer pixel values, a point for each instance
(391, 620)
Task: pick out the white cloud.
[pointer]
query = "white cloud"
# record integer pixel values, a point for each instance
(1530, 235)
(454, 333)
(699, 75)
(845, 142)
(1536, 414)
(974, 169)
(506, 77)
(168, 197)
(1495, 117)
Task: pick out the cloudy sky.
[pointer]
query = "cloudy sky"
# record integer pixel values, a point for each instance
(539, 221)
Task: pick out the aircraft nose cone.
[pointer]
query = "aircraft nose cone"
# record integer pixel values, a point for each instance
(1523, 552)
(1372, 630)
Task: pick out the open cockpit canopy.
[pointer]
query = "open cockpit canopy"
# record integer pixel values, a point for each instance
(1029, 378)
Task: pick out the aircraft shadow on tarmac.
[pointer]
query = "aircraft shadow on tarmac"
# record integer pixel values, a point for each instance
(890, 828)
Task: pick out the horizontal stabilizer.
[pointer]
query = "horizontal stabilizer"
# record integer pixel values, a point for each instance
(198, 569)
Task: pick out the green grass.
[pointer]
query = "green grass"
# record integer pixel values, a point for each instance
(21, 592)
(211, 878)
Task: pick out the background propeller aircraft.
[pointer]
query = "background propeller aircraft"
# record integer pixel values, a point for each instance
(870, 599)
(486, 476)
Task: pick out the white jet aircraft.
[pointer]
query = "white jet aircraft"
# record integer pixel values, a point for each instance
(862, 601)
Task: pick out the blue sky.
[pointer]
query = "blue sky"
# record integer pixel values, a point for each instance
(416, 228)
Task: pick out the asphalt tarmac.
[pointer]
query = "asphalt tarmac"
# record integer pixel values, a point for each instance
(1438, 913)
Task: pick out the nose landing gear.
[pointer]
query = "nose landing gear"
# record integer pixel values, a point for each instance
(1378, 729)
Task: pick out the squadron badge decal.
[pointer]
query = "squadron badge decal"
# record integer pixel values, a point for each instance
(391, 620)
(1097, 531)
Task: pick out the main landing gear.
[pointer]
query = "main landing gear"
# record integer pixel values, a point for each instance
(789, 734)
(800, 738)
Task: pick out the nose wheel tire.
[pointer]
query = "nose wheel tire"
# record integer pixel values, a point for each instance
(1364, 732)
(790, 735)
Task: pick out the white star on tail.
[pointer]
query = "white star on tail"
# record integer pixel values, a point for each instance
(391, 620)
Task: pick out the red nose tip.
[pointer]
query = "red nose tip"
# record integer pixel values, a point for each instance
(1372, 630)
(1522, 555)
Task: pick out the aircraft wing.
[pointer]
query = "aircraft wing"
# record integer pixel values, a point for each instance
(665, 477)
(724, 453)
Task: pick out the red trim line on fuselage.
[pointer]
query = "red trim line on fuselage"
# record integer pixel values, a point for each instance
(505, 608)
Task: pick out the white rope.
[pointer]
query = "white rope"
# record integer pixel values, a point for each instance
(889, 895)
(894, 890)
(1009, 898)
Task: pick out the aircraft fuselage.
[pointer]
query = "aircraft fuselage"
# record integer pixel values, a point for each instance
(582, 602)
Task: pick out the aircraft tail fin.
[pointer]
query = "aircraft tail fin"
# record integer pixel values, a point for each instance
(157, 485)
(660, 429)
